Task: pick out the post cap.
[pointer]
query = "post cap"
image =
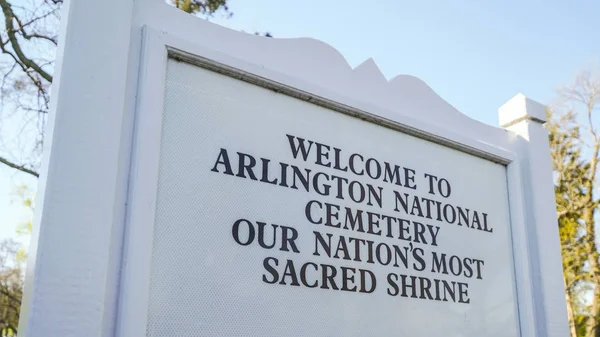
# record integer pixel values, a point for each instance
(520, 108)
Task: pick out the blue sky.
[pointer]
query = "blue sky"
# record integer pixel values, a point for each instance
(475, 54)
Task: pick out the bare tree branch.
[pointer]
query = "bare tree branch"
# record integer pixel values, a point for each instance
(19, 167)
(9, 16)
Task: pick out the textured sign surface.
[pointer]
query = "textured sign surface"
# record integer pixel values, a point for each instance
(277, 217)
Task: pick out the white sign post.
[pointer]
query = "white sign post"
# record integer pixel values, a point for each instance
(206, 182)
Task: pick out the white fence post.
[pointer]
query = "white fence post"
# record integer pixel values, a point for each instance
(72, 279)
(525, 118)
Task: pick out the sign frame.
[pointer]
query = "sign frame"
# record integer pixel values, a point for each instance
(109, 133)
(158, 48)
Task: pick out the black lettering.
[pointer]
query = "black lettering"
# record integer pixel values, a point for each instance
(398, 253)
(433, 234)
(330, 214)
(404, 230)
(479, 264)
(235, 231)
(463, 297)
(269, 268)
(409, 177)
(373, 223)
(419, 232)
(357, 243)
(392, 278)
(325, 245)
(317, 187)
(455, 265)
(291, 272)
(265, 172)
(246, 167)
(418, 254)
(476, 223)
(450, 218)
(322, 155)
(339, 182)
(361, 192)
(289, 240)
(300, 147)
(388, 254)
(391, 175)
(449, 290)
(343, 248)
(406, 285)
(351, 162)
(346, 276)
(485, 224)
(463, 217)
(363, 281)
(431, 179)
(283, 174)
(425, 284)
(439, 264)
(376, 194)
(356, 223)
(223, 159)
(329, 273)
(308, 213)
(261, 235)
(444, 188)
(468, 267)
(303, 275)
(297, 174)
(403, 202)
(416, 206)
(336, 164)
(377, 169)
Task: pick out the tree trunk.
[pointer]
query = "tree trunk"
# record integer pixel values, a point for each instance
(590, 244)
(592, 324)
(571, 315)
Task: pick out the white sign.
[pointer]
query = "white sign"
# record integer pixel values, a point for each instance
(207, 182)
(278, 217)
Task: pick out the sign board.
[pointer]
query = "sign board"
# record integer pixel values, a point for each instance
(272, 209)
(251, 191)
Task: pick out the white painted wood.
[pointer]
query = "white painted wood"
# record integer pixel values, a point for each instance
(520, 108)
(72, 280)
(144, 170)
(410, 121)
(522, 261)
(544, 245)
(72, 285)
(142, 194)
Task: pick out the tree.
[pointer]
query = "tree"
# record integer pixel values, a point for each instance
(584, 96)
(575, 149)
(11, 286)
(203, 7)
(12, 270)
(28, 46)
(571, 175)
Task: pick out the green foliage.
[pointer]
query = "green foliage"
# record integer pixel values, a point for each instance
(11, 287)
(571, 173)
(571, 176)
(203, 7)
(27, 198)
(581, 324)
